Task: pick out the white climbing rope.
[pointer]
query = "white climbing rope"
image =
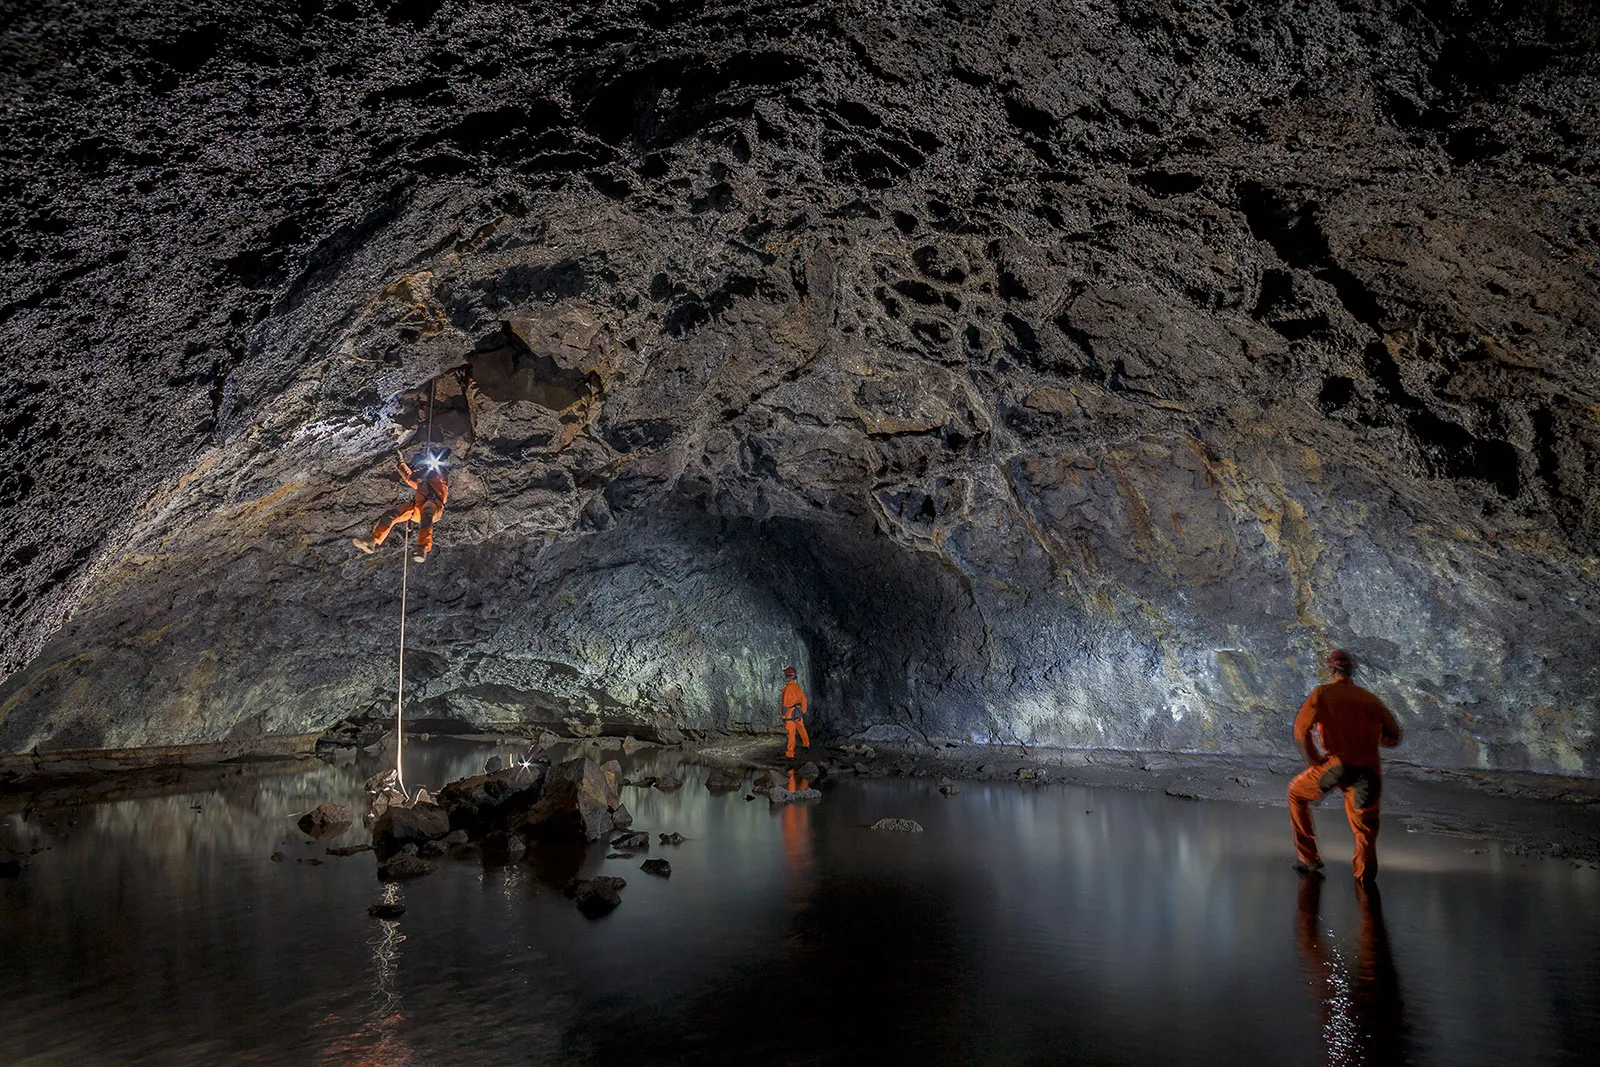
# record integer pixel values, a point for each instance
(400, 672)
(400, 686)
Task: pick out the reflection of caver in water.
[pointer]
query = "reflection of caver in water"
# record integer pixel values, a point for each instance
(794, 711)
(1350, 724)
(429, 493)
(1363, 1016)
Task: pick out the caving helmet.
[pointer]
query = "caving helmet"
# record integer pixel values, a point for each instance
(1341, 661)
(790, 672)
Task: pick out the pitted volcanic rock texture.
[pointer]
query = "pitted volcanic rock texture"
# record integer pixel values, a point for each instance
(1028, 373)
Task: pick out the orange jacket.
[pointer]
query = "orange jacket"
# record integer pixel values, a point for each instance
(1351, 723)
(429, 486)
(794, 701)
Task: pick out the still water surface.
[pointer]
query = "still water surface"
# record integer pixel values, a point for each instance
(1052, 925)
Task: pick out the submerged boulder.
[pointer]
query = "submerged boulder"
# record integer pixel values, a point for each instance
(903, 826)
(721, 782)
(780, 795)
(657, 867)
(404, 865)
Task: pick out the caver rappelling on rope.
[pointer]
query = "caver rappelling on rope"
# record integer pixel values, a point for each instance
(430, 491)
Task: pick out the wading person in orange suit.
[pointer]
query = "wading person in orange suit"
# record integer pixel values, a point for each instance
(428, 496)
(1339, 729)
(794, 712)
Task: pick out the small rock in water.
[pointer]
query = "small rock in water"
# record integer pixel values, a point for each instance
(673, 838)
(948, 788)
(404, 865)
(809, 770)
(724, 782)
(493, 765)
(348, 850)
(904, 826)
(643, 783)
(386, 911)
(596, 896)
(780, 795)
(749, 796)
(766, 782)
(661, 867)
(325, 821)
(622, 818)
(668, 784)
(619, 855)
(637, 839)
(278, 857)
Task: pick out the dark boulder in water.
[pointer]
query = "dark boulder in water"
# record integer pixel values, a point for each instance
(596, 896)
(401, 826)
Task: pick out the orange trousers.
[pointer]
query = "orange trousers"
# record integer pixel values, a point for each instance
(1362, 788)
(421, 513)
(796, 728)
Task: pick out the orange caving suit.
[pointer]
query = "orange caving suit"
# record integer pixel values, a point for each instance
(1350, 723)
(427, 501)
(794, 711)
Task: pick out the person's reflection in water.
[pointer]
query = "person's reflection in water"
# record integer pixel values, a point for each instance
(796, 821)
(1363, 1018)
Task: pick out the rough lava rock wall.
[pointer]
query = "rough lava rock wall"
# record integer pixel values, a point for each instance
(1043, 373)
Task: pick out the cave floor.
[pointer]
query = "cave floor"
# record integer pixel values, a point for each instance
(1064, 923)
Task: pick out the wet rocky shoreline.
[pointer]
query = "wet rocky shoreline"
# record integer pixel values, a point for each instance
(1530, 814)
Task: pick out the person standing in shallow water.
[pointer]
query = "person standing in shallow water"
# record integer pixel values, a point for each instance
(794, 711)
(1339, 729)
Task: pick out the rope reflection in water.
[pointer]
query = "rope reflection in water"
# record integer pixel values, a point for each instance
(376, 1042)
(385, 947)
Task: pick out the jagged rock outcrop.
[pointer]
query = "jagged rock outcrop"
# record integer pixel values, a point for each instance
(1044, 373)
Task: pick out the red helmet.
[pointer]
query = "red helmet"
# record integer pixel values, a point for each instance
(1341, 660)
(789, 672)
